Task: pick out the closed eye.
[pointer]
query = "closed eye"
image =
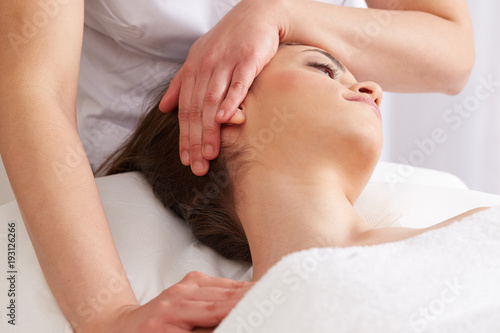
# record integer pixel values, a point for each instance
(325, 68)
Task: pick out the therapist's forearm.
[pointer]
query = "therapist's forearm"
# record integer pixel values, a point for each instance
(421, 47)
(60, 204)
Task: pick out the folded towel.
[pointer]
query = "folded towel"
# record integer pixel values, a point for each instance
(444, 280)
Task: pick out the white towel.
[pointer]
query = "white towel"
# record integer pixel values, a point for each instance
(444, 280)
(157, 250)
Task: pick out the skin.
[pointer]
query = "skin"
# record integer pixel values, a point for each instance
(299, 189)
(43, 154)
(45, 162)
(417, 46)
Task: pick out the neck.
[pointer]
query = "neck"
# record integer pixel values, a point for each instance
(284, 213)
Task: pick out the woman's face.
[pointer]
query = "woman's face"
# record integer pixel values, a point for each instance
(306, 109)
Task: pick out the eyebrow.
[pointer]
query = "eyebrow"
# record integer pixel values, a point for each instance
(329, 56)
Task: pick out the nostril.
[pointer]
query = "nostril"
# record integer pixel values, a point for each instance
(365, 90)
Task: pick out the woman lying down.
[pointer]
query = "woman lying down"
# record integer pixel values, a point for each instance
(281, 195)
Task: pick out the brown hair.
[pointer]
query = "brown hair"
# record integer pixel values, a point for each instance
(206, 203)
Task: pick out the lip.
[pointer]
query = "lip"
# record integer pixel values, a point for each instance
(369, 101)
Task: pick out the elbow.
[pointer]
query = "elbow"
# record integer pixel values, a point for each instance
(457, 77)
(459, 64)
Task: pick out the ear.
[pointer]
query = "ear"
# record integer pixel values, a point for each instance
(238, 118)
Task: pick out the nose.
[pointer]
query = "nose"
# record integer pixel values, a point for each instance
(370, 88)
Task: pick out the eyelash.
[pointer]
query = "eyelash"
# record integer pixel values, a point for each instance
(332, 72)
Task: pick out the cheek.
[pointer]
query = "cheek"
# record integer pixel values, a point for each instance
(306, 94)
(305, 107)
(304, 101)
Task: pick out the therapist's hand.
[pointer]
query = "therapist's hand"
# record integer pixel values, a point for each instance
(217, 74)
(198, 300)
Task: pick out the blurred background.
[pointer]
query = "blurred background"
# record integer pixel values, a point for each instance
(457, 134)
(470, 121)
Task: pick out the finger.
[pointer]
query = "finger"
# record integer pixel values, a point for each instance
(189, 314)
(213, 293)
(243, 77)
(199, 165)
(215, 92)
(188, 82)
(170, 100)
(202, 280)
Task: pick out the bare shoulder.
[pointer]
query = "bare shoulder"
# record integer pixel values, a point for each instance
(386, 235)
(457, 218)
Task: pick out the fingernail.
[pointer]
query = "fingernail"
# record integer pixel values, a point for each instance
(185, 157)
(220, 114)
(198, 166)
(208, 150)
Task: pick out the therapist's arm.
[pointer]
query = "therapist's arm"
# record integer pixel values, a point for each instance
(55, 188)
(44, 159)
(404, 45)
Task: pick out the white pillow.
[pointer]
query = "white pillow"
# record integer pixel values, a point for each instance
(395, 173)
(158, 250)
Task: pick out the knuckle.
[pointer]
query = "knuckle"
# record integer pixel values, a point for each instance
(188, 69)
(196, 113)
(177, 289)
(207, 63)
(165, 306)
(182, 303)
(195, 275)
(211, 307)
(211, 53)
(163, 298)
(230, 293)
(183, 114)
(247, 51)
(238, 85)
(211, 99)
(151, 324)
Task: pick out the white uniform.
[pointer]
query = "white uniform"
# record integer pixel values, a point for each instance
(130, 48)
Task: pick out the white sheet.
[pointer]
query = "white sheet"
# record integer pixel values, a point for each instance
(157, 251)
